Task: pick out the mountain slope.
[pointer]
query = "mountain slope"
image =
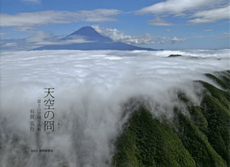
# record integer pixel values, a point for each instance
(94, 41)
(201, 139)
(89, 34)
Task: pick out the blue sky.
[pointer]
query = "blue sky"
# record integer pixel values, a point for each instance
(162, 24)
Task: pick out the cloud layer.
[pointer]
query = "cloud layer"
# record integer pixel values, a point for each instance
(91, 88)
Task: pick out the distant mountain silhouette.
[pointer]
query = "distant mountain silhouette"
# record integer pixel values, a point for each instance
(95, 40)
(89, 34)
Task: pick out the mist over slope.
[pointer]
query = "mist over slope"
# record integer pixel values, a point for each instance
(200, 138)
(92, 94)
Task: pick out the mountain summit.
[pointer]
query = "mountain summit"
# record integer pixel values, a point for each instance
(92, 40)
(89, 34)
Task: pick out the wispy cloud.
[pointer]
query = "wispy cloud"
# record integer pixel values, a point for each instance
(204, 11)
(40, 38)
(9, 44)
(210, 16)
(159, 22)
(175, 6)
(57, 17)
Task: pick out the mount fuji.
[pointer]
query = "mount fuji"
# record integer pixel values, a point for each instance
(92, 41)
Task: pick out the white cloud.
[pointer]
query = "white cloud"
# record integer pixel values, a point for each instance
(117, 35)
(176, 40)
(170, 40)
(57, 17)
(205, 11)
(26, 29)
(159, 22)
(10, 44)
(39, 36)
(210, 16)
(174, 6)
(60, 42)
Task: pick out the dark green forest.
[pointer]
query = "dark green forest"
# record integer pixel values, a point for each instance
(198, 139)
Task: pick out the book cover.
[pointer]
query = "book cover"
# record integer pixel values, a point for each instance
(114, 83)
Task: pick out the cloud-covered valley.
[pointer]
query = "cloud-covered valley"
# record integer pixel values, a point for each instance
(90, 90)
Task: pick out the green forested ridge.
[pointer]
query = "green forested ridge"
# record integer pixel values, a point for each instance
(200, 140)
(147, 142)
(215, 107)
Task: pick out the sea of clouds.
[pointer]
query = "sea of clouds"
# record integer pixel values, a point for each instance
(91, 90)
